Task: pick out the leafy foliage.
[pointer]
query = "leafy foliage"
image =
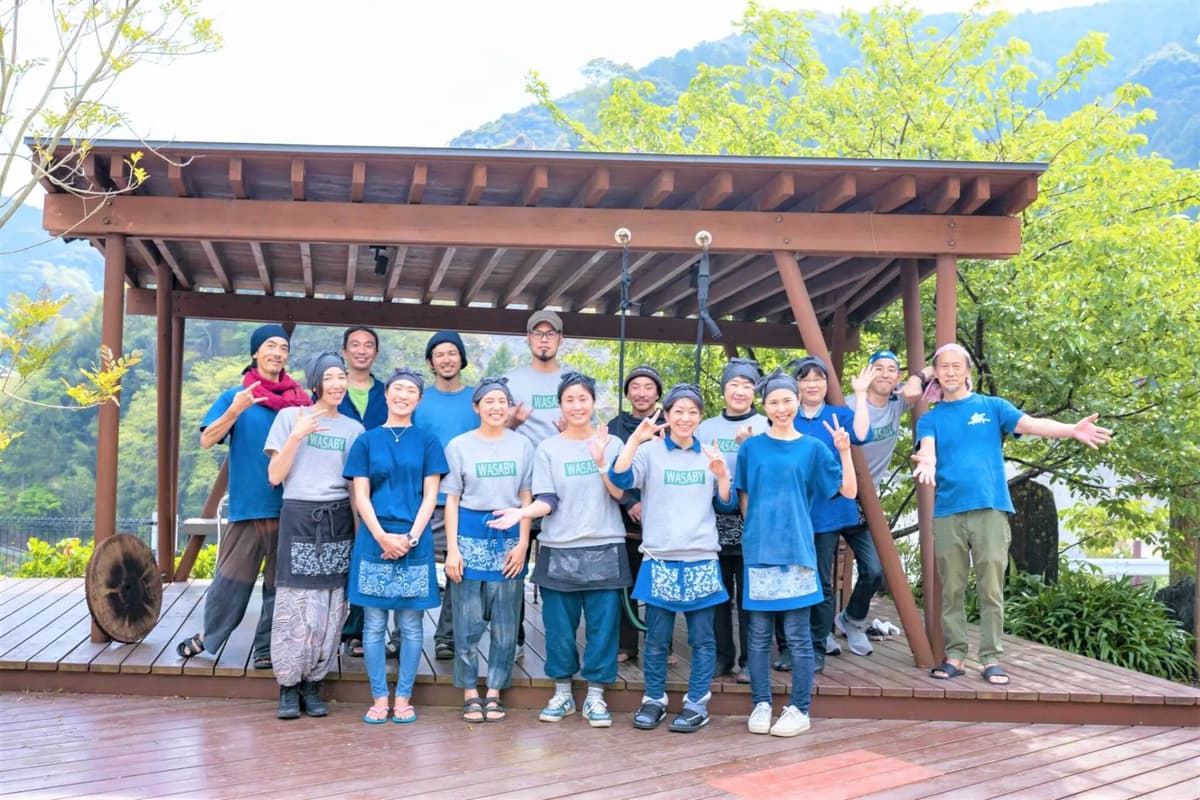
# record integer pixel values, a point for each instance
(205, 566)
(65, 559)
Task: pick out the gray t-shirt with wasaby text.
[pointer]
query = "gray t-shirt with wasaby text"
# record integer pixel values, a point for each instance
(586, 514)
(316, 473)
(538, 391)
(487, 474)
(724, 431)
(885, 434)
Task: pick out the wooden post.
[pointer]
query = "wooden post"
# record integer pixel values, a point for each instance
(946, 299)
(840, 333)
(109, 423)
(178, 329)
(166, 512)
(881, 534)
(914, 335)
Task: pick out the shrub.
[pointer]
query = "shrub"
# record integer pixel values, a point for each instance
(65, 559)
(206, 562)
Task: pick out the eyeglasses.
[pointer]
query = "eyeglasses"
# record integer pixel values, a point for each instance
(543, 335)
(812, 379)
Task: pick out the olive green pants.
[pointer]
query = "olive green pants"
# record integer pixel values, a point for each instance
(980, 538)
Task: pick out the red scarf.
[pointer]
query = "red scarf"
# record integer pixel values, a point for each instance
(280, 394)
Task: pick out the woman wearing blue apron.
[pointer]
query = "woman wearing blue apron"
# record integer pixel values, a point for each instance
(490, 467)
(778, 476)
(396, 470)
(681, 480)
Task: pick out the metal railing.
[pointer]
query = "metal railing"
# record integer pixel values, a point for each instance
(15, 532)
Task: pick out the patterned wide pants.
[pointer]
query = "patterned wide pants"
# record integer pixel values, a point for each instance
(306, 633)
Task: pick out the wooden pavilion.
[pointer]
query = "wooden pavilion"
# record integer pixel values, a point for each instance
(472, 239)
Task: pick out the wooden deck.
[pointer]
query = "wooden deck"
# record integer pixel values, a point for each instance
(44, 627)
(64, 746)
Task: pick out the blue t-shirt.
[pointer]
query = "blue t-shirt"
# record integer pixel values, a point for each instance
(377, 410)
(251, 495)
(446, 415)
(967, 437)
(831, 514)
(783, 479)
(397, 470)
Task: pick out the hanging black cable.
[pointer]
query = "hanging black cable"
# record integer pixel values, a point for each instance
(623, 237)
(703, 320)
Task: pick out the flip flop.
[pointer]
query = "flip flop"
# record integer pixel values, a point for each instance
(404, 716)
(262, 662)
(380, 715)
(947, 671)
(190, 647)
(995, 675)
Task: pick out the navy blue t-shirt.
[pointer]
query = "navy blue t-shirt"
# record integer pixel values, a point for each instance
(251, 495)
(831, 514)
(377, 410)
(967, 437)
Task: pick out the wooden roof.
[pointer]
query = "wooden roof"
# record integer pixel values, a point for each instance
(488, 230)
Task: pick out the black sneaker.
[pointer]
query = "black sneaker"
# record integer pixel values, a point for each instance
(649, 715)
(689, 721)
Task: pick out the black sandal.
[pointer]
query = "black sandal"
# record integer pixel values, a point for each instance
(946, 671)
(493, 710)
(262, 662)
(474, 706)
(190, 647)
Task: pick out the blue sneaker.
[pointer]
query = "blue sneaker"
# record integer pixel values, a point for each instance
(595, 711)
(559, 706)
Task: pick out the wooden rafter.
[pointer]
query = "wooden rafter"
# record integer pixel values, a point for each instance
(773, 194)
(535, 184)
(663, 273)
(524, 274)
(554, 294)
(307, 268)
(297, 178)
(898, 235)
(944, 195)
(420, 176)
(849, 287)
(593, 189)
(237, 180)
(885, 272)
(978, 192)
(680, 294)
(476, 183)
(260, 263)
(812, 267)
(819, 265)
(851, 275)
(160, 252)
(1019, 197)
(118, 173)
(607, 280)
(736, 280)
(714, 192)
(768, 286)
(395, 266)
(358, 180)
(177, 180)
(657, 190)
(435, 280)
(214, 261)
(351, 269)
(832, 195)
(893, 194)
(483, 270)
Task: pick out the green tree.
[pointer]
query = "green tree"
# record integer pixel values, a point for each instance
(1098, 311)
(37, 501)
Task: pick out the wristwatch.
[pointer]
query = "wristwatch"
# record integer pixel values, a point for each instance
(413, 539)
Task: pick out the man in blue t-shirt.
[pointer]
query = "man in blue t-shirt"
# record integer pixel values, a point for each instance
(446, 411)
(959, 452)
(243, 415)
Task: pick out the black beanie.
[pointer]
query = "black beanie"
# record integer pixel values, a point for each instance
(441, 337)
(643, 371)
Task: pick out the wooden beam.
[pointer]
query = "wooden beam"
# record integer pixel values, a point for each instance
(663, 273)
(237, 181)
(215, 262)
(834, 294)
(535, 184)
(297, 178)
(483, 270)
(657, 190)
(681, 288)
(837, 342)
(177, 180)
(439, 272)
(119, 175)
(944, 195)
(358, 180)
(833, 195)
(306, 268)
(893, 194)
(162, 369)
(776, 192)
(260, 264)
(1018, 198)
(767, 286)
(554, 293)
(896, 235)
(351, 270)
(476, 183)
(979, 191)
(811, 267)
(593, 189)
(945, 302)
(606, 281)
(731, 283)
(882, 274)
(415, 316)
(416, 189)
(395, 266)
(173, 262)
(524, 274)
(713, 193)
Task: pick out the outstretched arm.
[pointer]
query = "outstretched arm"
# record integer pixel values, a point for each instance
(1085, 431)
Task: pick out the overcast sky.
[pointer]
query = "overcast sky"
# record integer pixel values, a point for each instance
(414, 72)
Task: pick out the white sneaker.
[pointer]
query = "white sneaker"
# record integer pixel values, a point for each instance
(595, 711)
(760, 718)
(855, 633)
(832, 648)
(792, 722)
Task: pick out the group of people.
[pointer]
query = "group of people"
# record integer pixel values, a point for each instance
(347, 489)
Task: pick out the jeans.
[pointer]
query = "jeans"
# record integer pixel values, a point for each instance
(870, 576)
(660, 626)
(601, 609)
(475, 603)
(800, 647)
(412, 632)
(727, 655)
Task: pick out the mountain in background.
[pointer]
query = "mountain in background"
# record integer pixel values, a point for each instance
(1152, 42)
(30, 259)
